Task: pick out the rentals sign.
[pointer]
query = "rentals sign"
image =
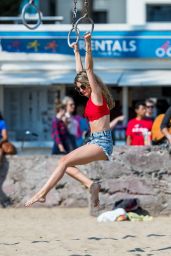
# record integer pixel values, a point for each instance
(105, 44)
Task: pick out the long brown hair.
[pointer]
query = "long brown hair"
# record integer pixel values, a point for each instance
(82, 78)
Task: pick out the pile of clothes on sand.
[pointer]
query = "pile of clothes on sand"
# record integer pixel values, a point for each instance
(125, 210)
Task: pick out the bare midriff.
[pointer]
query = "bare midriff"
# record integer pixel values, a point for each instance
(101, 124)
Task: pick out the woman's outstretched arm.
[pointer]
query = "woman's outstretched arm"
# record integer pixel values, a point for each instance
(96, 90)
(78, 62)
(115, 121)
(88, 56)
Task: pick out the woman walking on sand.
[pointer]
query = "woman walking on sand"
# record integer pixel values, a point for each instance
(100, 145)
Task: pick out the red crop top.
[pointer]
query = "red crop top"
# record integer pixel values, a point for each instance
(93, 112)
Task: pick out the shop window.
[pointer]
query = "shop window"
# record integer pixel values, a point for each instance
(52, 7)
(158, 12)
(10, 7)
(100, 16)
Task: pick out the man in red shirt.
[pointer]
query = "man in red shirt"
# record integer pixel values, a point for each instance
(138, 127)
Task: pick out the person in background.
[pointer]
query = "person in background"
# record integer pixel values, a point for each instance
(166, 125)
(71, 122)
(150, 109)
(138, 127)
(3, 136)
(59, 132)
(118, 130)
(6, 147)
(83, 128)
(115, 121)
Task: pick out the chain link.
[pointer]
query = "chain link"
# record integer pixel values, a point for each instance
(31, 2)
(84, 19)
(86, 5)
(74, 16)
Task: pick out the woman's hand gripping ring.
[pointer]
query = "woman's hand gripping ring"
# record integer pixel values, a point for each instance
(24, 13)
(69, 36)
(90, 21)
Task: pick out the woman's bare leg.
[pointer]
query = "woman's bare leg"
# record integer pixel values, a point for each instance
(79, 156)
(75, 173)
(94, 188)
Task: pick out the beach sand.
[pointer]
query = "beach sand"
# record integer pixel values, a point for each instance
(72, 232)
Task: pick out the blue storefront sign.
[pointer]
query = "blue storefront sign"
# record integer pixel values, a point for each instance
(110, 44)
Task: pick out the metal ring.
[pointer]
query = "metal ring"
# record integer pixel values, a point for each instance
(39, 21)
(82, 18)
(77, 36)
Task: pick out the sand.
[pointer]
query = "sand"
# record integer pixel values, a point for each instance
(72, 232)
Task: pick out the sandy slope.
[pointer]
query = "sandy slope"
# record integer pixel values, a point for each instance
(72, 232)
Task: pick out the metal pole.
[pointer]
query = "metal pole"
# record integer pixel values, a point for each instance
(125, 103)
(18, 19)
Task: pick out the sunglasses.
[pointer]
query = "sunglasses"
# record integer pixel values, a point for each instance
(71, 104)
(81, 87)
(149, 106)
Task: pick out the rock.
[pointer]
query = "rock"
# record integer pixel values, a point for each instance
(134, 172)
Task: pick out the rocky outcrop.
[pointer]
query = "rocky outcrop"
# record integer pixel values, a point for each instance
(136, 172)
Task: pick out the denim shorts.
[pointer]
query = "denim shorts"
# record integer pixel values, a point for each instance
(103, 140)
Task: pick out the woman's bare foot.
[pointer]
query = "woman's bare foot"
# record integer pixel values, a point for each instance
(36, 198)
(94, 191)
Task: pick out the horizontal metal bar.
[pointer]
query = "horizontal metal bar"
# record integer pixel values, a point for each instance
(46, 18)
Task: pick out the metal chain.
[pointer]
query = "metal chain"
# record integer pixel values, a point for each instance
(31, 2)
(74, 16)
(82, 20)
(73, 29)
(86, 5)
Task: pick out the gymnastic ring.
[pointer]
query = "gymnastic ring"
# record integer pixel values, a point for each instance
(39, 21)
(77, 36)
(91, 22)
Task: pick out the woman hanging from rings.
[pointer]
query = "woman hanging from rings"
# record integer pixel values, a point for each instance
(100, 145)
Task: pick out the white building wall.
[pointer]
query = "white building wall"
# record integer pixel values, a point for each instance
(64, 8)
(136, 10)
(117, 11)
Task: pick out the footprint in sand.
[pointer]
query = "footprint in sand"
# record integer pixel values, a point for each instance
(136, 250)
(80, 255)
(102, 238)
(34, 242)
(128, 236)
(163, 249)
(9, 243)
(151, 235)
